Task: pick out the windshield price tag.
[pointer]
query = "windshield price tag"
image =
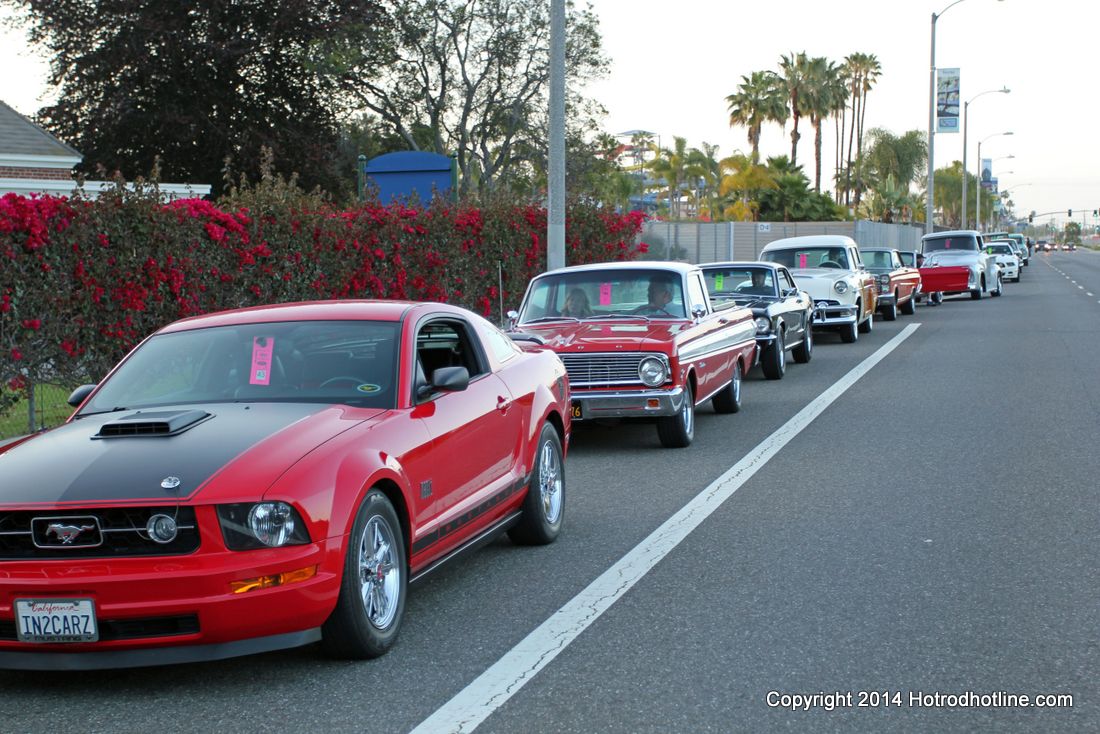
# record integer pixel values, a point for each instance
(605, 294)
(260, 372)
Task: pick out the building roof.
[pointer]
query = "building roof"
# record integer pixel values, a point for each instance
(21, 137)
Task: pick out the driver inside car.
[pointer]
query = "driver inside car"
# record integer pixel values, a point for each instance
(660, 295)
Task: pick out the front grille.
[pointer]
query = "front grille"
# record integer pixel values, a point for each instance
(122, 530)
(128, 629)
(603, 369)
(826, 302)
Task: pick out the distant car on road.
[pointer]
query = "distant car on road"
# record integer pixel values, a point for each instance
(962, 248)
(1006, 258)
(782, 313)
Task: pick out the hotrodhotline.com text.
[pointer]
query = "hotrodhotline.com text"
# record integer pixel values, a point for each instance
(914, 699)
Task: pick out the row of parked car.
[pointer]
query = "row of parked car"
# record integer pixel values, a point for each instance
(273, 477)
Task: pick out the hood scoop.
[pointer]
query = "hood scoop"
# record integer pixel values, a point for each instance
(157, 423)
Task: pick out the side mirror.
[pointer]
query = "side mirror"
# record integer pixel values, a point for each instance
(451, 379)
(80, 394)
(698, 310)
(513, 319)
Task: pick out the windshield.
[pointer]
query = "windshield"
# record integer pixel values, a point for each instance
(954, 243)
(999, 250)
(809, 257)
(595, 294)
(908, 259)
(732, 282)
(350, 362)
(877, 258)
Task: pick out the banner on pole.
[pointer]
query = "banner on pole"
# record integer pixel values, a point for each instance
(947, 100)
(987, 173)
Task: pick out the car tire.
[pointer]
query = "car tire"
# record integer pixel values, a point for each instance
(849, 333)
(678, 431)
(890, 312)
(910, 307)
(728, 399)
(371, 602)
(868, 324)
(804, 351)
(976, 295)
(773, 362)
(544, 506)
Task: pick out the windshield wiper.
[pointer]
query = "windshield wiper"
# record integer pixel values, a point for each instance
(101, 412)
(620, 316)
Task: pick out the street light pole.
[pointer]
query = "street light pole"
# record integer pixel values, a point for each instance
(978, 188)
(966, 121)
(928, 227)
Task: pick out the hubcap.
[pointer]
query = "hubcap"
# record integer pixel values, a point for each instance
(737, 383)
(782, 347)
(687, 413)
(379, 575)
(550, 482)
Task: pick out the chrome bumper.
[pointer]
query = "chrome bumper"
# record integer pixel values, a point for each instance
(627, 403)
(833, 315)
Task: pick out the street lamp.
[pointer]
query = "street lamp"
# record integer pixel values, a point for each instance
(978, 189)
(932, 118)
(966, 119)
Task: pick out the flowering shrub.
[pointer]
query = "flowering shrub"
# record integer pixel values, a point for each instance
(81, 282)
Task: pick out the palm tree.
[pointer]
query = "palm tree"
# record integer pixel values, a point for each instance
(871, 72)
(670, 165)
(759, 98)
(703, 166)
(819, 100)
(794, 83)
(743, 178)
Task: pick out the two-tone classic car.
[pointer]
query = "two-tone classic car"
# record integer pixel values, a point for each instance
(898, 284)
(829, 268)
(783, 313)
(641, 340)
(960, 250)
(271, 477)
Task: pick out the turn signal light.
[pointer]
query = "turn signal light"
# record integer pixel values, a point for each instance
(278, 579)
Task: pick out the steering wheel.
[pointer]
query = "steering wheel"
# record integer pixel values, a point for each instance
(341, 378)
(830, 264)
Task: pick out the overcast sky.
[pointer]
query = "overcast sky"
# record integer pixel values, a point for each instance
(673, 64)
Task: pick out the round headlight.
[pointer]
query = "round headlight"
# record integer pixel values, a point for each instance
(272, 523)
(161, 528)
(763, 325)
(840, 286)
(652, 371)
(884, 279)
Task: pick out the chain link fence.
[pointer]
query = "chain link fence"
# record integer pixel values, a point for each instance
(703, 242)
(43, 406)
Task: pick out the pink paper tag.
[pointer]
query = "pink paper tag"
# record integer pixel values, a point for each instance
(802, 260)
(260, 373)
(605, 294)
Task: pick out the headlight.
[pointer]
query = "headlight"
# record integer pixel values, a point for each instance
(884, 280)
(652, 371)
(763, 326)
(840, 286)
(261, 525)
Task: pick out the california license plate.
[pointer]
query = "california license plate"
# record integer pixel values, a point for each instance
(55, 620)
(577, 411)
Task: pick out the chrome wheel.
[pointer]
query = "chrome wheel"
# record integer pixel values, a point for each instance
(550, 482)
(379, 575)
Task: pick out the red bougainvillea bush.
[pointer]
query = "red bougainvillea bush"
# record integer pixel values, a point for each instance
(82, 281)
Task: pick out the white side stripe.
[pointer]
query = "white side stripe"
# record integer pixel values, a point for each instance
(489, 691)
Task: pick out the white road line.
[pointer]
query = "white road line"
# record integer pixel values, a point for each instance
(1080, 287)
(1087, 293)
(489, 691)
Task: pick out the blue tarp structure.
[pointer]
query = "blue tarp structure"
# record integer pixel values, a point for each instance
(399, 174)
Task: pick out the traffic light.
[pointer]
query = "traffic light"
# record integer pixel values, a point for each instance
(1031, 218)
(1070, 213)
(1096, 212)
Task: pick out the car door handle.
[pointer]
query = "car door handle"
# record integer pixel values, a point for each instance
(503, 403)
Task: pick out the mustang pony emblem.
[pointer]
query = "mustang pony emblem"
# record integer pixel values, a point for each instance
(66, 533)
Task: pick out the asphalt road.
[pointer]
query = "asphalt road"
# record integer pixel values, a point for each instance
(933, 530)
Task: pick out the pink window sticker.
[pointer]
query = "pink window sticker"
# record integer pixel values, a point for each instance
(260, 373)
(605, 294)
(802, 260)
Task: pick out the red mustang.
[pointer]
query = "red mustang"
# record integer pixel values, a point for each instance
(270, 477)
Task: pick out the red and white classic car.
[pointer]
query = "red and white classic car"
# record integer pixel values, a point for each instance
(271, 477)
(641, 340)
(898, 284)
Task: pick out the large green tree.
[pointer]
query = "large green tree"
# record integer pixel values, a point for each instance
(195, 83)
(793, 73)
(470, 78)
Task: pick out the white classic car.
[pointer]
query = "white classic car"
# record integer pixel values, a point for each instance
(963, 248)
(830, 269)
